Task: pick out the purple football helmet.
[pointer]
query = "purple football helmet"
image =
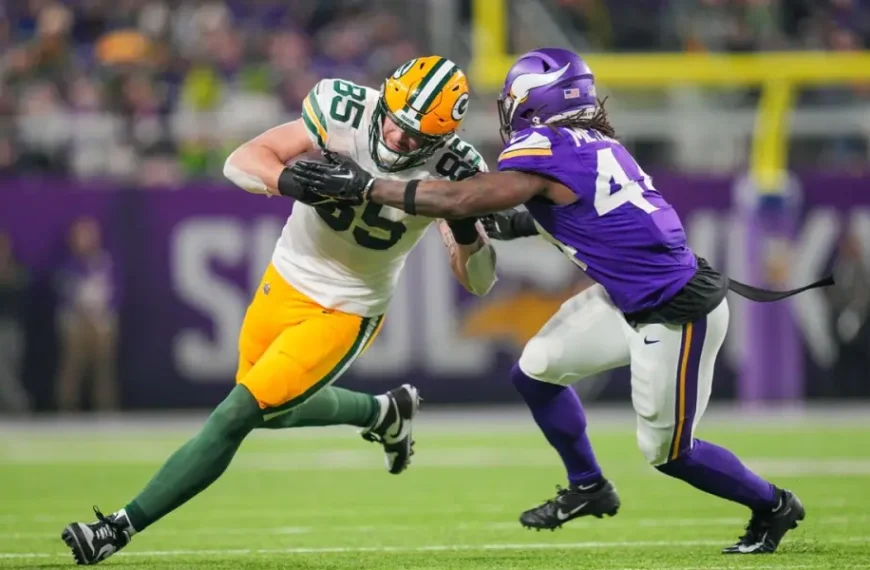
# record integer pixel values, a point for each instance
(543, 84)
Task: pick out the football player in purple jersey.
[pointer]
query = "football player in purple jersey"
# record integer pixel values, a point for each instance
(656, 306)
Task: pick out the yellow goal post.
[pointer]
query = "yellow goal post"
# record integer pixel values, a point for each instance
(778, 74)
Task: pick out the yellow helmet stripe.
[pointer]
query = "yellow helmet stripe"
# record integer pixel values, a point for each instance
(431, 86)
(313, 118)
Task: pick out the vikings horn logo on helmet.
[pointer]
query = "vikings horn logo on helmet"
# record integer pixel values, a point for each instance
(523, 84)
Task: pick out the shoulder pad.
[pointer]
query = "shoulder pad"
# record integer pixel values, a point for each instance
(457, 160)
(533, 149)
(333, 105)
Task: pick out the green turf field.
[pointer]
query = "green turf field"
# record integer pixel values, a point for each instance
(320, 499)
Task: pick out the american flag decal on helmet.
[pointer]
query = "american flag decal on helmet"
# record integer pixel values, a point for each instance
(572, 93)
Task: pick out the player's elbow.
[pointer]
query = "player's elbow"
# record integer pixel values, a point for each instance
(480, 271)
(229, 167)
(481, 289)
(240, 178)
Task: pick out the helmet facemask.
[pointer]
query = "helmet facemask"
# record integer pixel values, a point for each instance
(389, 160)
(505, 116)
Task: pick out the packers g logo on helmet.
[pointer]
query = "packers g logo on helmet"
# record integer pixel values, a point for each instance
(460, 107)
(428, 98)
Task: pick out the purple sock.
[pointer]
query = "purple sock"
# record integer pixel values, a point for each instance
(717, 471)
(559, 414)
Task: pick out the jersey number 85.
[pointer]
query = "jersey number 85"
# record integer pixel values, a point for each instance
(459, 161)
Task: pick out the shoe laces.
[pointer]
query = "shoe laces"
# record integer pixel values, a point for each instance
(560, 492)
(376, 432)
(110, 528)
(373, 437)
(755, 528)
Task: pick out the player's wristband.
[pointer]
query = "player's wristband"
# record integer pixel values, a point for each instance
(288, 186)
(523, 225)
(411, 197)
(464, 231)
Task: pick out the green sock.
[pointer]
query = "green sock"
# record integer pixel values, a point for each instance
(199, 462)
(331, 406)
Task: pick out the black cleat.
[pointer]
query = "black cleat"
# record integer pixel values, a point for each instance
(766, 528)
(393, 428)
(575, 501)
(93, 543)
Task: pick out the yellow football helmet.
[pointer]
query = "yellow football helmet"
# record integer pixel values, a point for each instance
(427, 98)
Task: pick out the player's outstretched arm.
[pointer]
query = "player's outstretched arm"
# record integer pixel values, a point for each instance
(257, 165)
(485, 193)
(472, 256)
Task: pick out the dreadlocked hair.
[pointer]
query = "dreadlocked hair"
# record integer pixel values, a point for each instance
(597, 122)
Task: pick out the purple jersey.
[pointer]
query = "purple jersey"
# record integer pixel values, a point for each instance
(621, 231)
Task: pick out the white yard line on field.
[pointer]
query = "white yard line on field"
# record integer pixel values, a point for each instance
(431, 548)
(460, 419)
(240, 512)
(398, 528)
(58, 453)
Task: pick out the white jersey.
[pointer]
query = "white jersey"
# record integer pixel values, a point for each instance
(346, 257)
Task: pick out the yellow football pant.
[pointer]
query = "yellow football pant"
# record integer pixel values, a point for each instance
(290, 347)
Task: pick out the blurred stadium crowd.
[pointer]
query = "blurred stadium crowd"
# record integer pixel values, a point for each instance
(720, 25)
(130, 89)
(155, 92)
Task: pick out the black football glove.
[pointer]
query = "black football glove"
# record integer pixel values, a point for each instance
(508, 225)
(339, 178)
(290, 187)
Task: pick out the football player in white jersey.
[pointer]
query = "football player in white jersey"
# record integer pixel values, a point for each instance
(322, 298)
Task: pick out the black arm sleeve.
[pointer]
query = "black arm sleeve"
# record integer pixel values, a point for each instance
(464, 231)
